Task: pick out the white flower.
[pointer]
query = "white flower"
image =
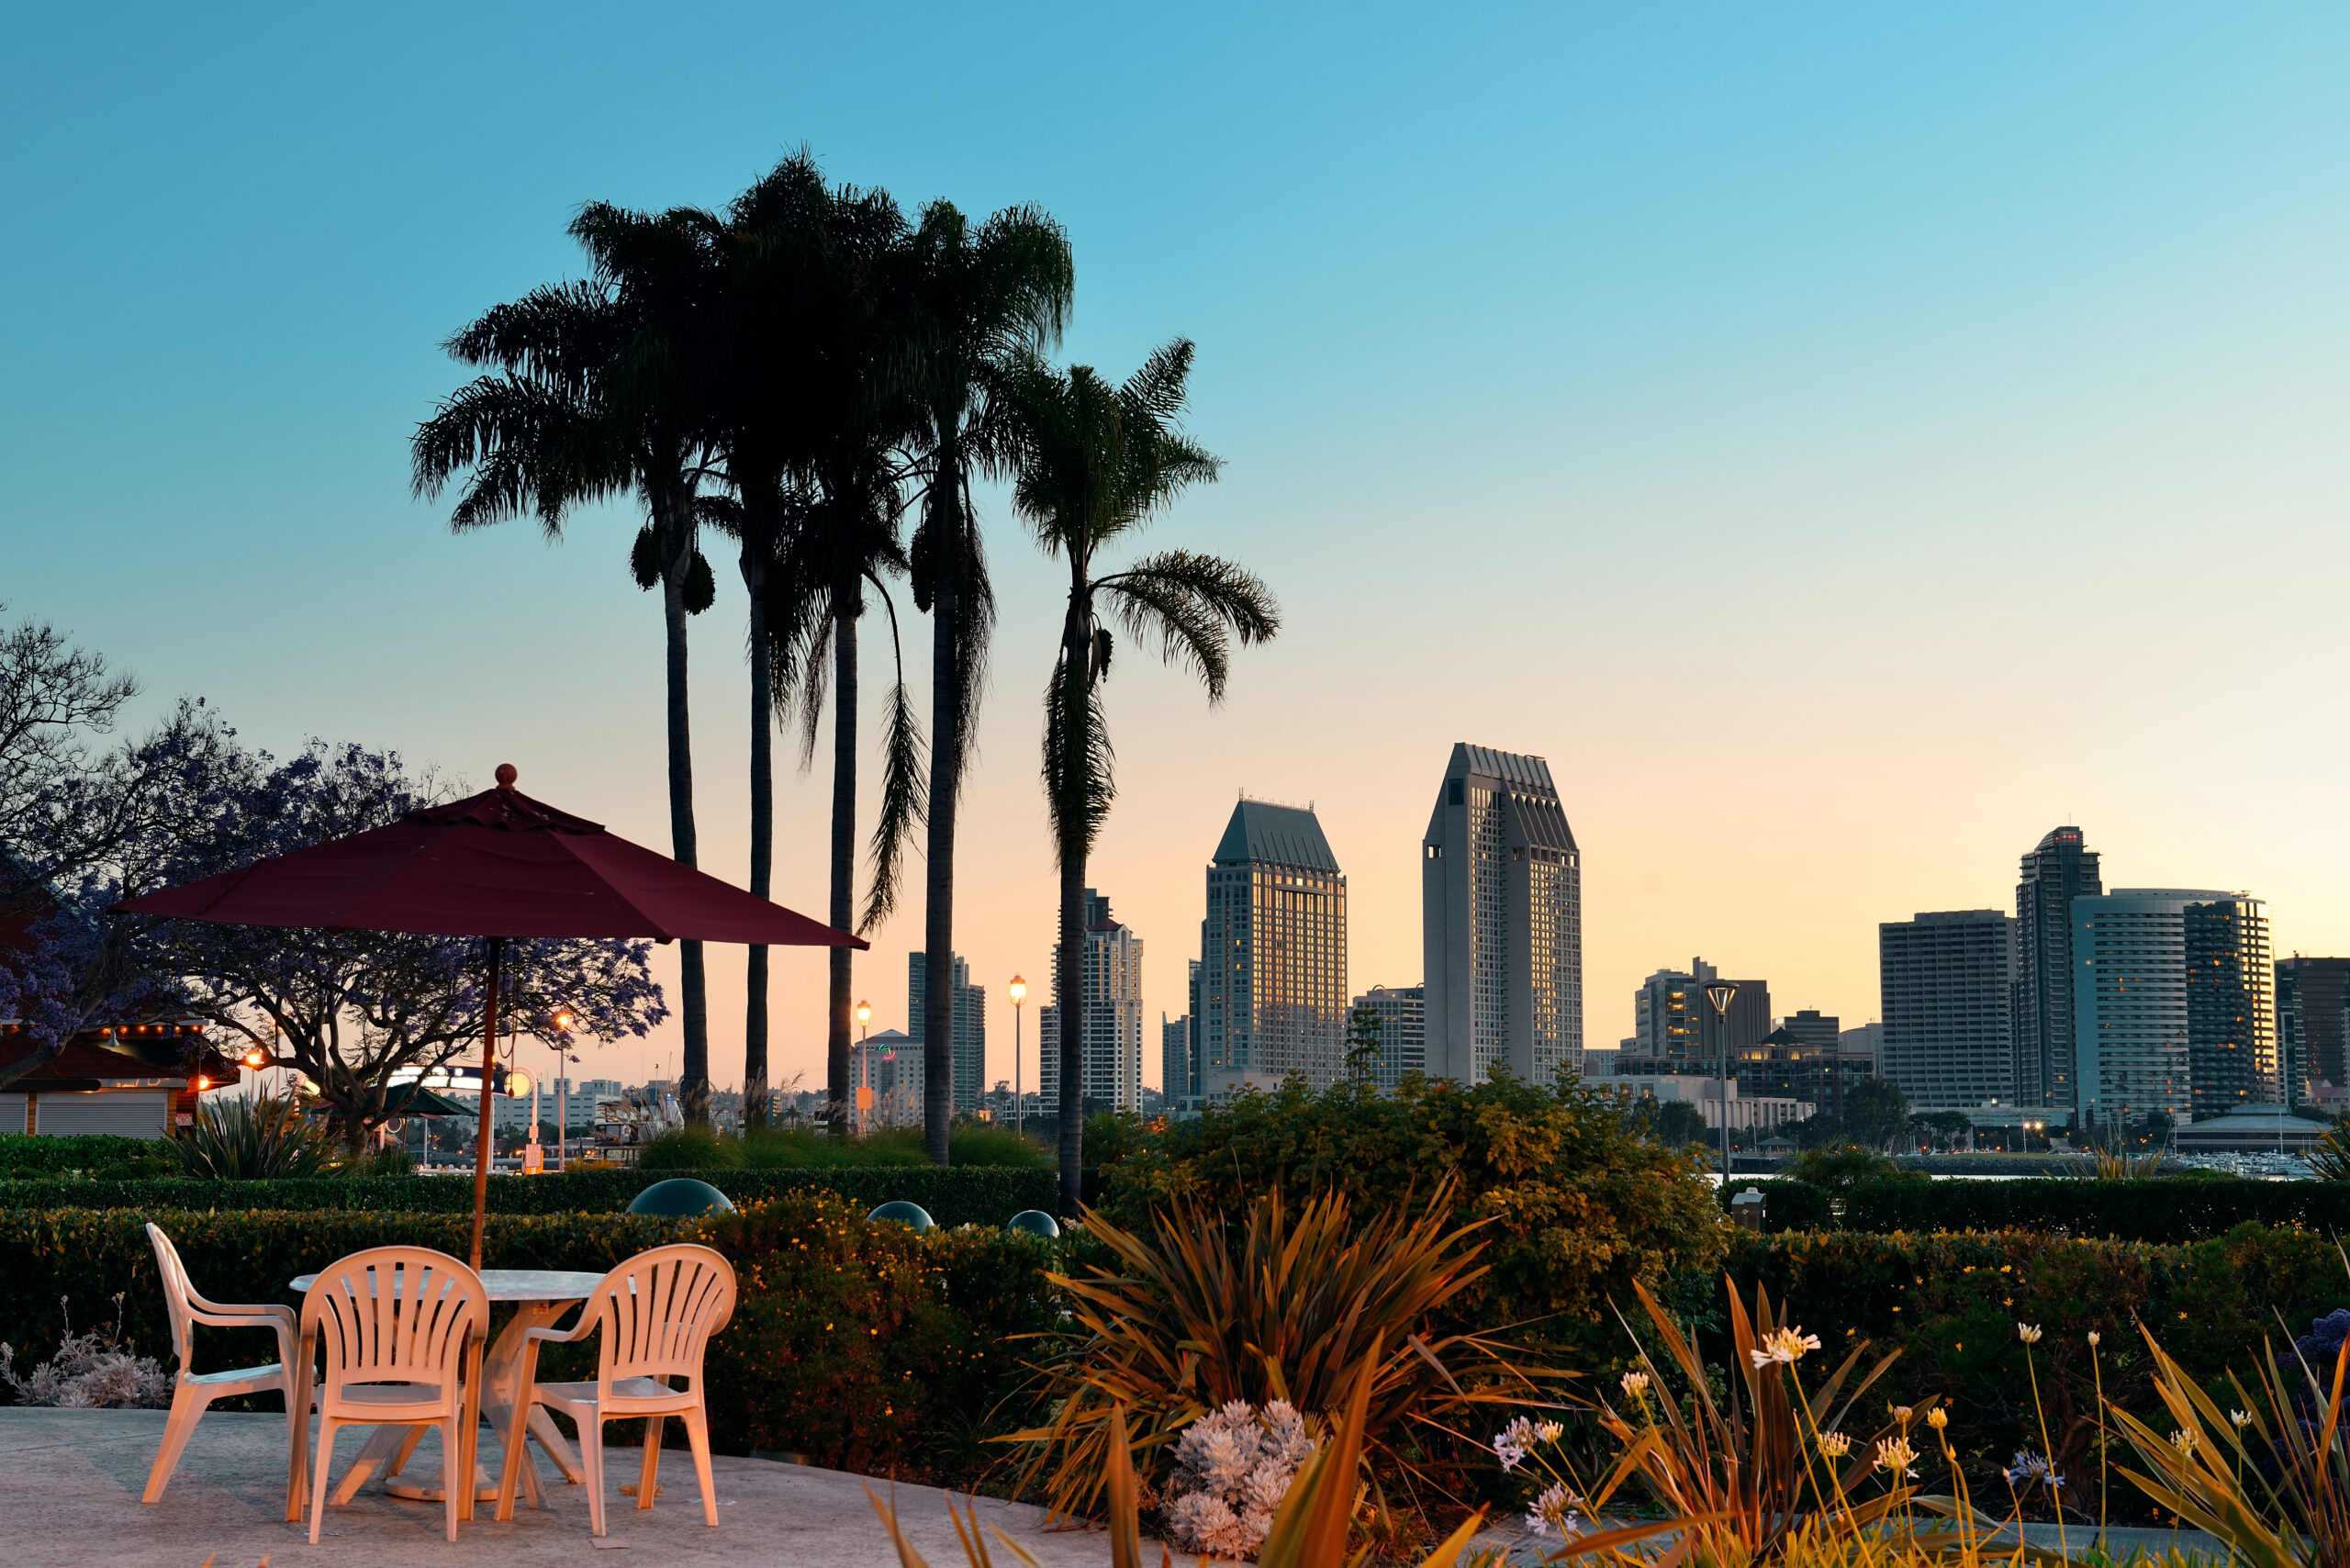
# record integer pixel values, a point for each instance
(1554, 1510)
(1636, 1384)
(2094, 1337)
(1786, 1346)
(2183, 1442)
(1835, 1445)
(2240, 1418)
(1895, 1453)
(2027, 1332)
(1549, 1431)
(1512, 1443)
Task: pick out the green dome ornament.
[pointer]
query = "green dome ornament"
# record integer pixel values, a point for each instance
(1034, 1222)
(681, 1197)
(913, 1216)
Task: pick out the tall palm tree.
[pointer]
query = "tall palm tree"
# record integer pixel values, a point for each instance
(1099, 463)
(596, 393)
(983, 299)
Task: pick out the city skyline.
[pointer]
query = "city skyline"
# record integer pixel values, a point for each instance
(1913, 364)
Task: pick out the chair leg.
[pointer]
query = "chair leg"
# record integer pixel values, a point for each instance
(515, 1461)
(457, 1471)
(591, 1460)
(406, 1452)
(297, 1416)
(648, 1475)
(319, 1474)
(187, 1405)
(698, 1433)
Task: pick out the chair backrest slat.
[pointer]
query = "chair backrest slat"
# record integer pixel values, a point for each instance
(658, 1311)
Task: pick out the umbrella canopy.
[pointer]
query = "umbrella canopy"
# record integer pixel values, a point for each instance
(495, 864)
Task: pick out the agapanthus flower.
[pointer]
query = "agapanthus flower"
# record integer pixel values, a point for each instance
(1514, 1442)
(1938, 1417)
(2094, 1337)
(2029, 1469)
(1835, 1445)
(1549, 1431)
(2027, 1332)
(1555, 1510)
(1636, 1384)
(2184, 1441)
(1786, 1346)
(1895, 1453)
(2240, 1418)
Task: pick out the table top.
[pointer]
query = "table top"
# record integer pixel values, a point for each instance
(515, 1284)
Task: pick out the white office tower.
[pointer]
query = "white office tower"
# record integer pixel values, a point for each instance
(1112, 992)
(1402, 1018)
(1272, 992)
(2132, 1037)
(1500, 921)
(968, 1038)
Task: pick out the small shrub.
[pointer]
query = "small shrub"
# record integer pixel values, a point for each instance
(251, 1139)
(85, 1155)
(691, 1149)
(1233, 1467)
(90, 1371)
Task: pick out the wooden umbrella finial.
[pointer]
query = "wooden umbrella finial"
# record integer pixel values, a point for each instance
(506, 776)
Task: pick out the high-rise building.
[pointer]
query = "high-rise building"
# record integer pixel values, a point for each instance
(1672, 1019)
(2056, 871)
(1111, 1036)
(2230, 1007)
(1193, 1037)
(2311, 996)
(1174, 1056)
(1272, 996)
(1947, 989)
(1403, 1031)
(894, 1070)
(1501, 921)
(2130, 1012)
(971, 1036)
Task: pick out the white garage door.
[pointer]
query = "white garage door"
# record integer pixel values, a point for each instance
(12, 1113)
(138, 1115)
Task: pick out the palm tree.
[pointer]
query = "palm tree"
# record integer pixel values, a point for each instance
(982, 300)
(595, 394)
(1099, 461)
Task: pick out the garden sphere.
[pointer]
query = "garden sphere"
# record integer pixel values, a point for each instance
(1035, 1222)
(681, 1197)
(913, 1216)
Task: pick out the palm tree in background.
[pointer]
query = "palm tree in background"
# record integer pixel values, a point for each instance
(983, 300)
(1098, 463)
(597, 392)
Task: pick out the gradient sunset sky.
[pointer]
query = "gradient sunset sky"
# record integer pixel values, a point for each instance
(1846, 441)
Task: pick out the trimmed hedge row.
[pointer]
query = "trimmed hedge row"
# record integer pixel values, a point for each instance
(28, 1155)
(863, 1345)
(2169, 1210)
(968, 1195)
(1951, 1305)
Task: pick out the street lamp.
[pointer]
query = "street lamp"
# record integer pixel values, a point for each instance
(864, 1066)
(1719, 993)
(1019, 995)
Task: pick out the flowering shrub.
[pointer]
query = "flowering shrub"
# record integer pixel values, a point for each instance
(1233, 1467)
(90, 1371)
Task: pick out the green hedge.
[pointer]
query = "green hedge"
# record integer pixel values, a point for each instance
(1951, 1305)
(863, 1345)
(85, 1155)
(2168, 1209)
(977, 1195)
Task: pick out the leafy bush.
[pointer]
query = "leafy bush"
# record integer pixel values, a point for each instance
(1582, 1206)
(2170, 1210)
(691, 1149)
(247, 1139)
(85, 1155)
(975, 1196)
(1838, 1168)
(799, 1148)
(1950, 1303)
(860, 1345)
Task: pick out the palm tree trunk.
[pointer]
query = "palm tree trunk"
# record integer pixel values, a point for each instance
(1068, 984)
(755, 1004)
(847, 600)
(693, 1072)
(946, 758)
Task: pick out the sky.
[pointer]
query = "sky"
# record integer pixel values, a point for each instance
(1845, 440)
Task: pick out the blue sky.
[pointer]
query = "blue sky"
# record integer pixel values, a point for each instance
(1845, 442)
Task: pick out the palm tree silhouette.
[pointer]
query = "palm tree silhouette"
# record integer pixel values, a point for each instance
(1099, 463)
(597, 393)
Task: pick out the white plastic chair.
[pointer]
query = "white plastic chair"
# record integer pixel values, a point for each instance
(193, 1392)
(402, 1330)
(655, 1313)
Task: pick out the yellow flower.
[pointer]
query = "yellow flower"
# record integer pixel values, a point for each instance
(1835, 1445)
(1938, 1417)
(1895, 1453)
(1636, 1384)
(1783, 1345)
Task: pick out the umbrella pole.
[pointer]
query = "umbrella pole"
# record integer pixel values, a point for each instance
(481, 1145)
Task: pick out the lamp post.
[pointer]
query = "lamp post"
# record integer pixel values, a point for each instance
(864, 1067)
(1719, 993)
(1019, 995)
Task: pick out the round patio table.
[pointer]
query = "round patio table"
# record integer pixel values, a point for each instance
(539, 1296)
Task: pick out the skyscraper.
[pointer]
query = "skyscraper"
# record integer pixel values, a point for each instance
(1947, 983)
(2056, 871)
(970, 1038)
(1174, 1057)
(2310, 995)
(2129, 1013)
(1272, 995)
(1668, 1009)
(1501, 921)
(1403, 1032)
(2230, 1007)
(1110, 988)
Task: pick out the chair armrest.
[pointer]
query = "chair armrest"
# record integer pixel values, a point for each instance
(579, 1330)
(240, 1317)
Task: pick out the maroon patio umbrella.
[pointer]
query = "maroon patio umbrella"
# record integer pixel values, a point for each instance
(495, 865)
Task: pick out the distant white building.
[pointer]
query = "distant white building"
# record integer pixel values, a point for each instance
(1402, 1011)
(1111, 1040)
(1746, 1113)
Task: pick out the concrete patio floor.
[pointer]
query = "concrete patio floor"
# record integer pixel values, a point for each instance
(70, 1482)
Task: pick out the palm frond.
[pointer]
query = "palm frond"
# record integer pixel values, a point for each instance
(903, 791)
(1080, 780)
(1193, 605)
